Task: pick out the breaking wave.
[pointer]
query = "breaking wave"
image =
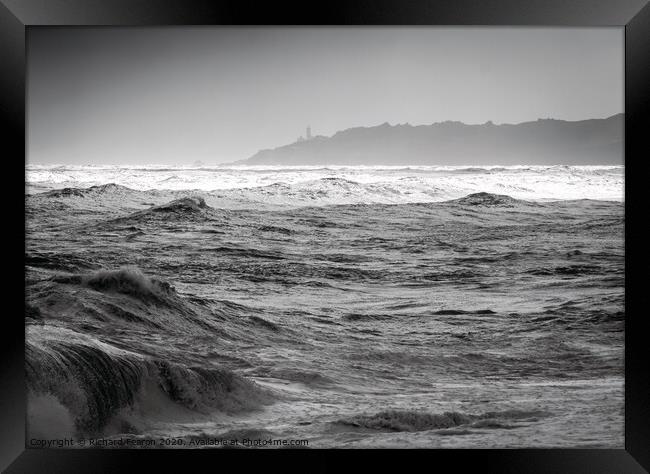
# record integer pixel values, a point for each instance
(94, 380)
(408, 420)
(281, 186)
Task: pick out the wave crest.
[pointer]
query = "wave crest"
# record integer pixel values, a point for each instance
(189, 208)
(127, 280)
(487, 199)
(109, 188)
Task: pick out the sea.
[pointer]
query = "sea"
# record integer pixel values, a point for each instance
(325, 307)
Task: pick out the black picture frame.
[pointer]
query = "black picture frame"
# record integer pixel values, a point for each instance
(16, 16)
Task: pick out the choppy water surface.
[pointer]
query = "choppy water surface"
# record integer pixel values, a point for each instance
(352, 307)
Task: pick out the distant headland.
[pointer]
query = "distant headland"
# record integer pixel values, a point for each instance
(540, 142)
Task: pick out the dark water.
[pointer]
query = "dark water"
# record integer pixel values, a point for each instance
(484, 321)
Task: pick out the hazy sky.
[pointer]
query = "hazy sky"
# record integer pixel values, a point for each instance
(176, 95)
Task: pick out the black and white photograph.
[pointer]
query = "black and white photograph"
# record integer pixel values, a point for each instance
(325, 237)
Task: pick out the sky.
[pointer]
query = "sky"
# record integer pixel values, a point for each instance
(176, 95)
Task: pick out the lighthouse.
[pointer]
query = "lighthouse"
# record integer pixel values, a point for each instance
(308, 134)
